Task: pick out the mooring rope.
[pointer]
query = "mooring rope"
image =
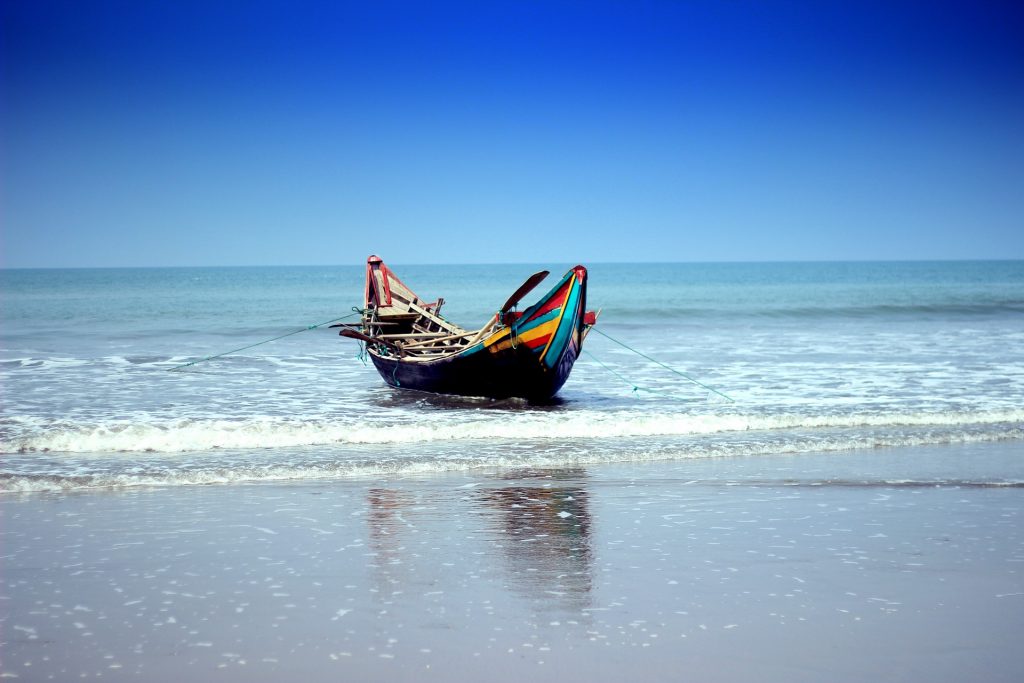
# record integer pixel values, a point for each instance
(656, 362)
(611, 370)
(355, 311)
(636, 388)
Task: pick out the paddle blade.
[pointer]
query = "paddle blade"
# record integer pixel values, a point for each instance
(523, 290)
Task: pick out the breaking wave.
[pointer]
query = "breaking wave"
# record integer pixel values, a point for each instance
(27, 435)
(241, 467)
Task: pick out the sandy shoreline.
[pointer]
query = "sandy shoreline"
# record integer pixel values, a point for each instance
(901, 564)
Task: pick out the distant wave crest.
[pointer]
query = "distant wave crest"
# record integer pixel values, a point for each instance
(998, 307)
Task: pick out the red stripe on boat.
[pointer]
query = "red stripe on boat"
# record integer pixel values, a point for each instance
(554, 302)
(538, 342)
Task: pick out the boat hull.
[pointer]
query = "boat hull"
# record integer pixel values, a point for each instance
(512, 373)
(530, 358)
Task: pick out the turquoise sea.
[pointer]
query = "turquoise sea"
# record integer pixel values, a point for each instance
(814, 357)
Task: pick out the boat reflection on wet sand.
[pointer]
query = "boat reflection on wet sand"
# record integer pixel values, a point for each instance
(543, 525)
(540, 524)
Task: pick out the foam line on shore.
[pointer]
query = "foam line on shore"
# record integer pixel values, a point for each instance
(148, 434)
(240, 469)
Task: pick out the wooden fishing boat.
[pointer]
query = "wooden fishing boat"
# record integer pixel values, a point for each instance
(526, 354)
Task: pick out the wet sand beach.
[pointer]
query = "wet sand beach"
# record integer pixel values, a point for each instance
(892, 564)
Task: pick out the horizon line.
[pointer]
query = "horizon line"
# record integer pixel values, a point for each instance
(529, 263)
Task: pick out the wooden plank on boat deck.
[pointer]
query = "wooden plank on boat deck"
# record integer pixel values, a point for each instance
(416, 335)
(388, 317)
(437, 320)
(483, 331)
(431, 342)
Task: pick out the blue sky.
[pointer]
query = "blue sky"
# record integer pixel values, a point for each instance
(233, 133)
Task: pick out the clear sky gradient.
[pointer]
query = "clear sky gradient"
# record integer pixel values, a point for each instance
(234, 133)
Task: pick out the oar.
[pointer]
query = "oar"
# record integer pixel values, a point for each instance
(352, 334)
(523, 290)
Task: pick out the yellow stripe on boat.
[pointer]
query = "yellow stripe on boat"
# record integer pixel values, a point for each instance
(502, 342)
(495, 338)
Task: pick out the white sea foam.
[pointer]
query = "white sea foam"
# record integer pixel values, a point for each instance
(251, 470)
(185, 435)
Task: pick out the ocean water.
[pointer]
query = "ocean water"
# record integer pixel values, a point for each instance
(810, 357)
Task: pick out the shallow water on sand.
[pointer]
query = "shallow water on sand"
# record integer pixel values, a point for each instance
(880, 565)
